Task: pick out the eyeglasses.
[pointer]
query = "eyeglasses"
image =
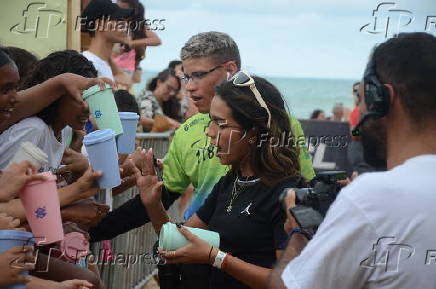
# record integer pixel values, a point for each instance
(195, 76)
(243, 79)
(222, 125)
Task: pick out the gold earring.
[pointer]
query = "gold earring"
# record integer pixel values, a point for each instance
(251, 140)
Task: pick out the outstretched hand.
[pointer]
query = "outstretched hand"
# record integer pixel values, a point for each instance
(88, 183)
(149, 186)
(74, 162)
(74, 84)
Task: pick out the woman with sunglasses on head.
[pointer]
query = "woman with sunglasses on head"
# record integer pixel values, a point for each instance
(243, 207)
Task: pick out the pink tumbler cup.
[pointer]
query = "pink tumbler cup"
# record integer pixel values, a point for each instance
(41, 204)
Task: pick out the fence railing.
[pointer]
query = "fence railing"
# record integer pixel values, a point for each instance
(132, 257)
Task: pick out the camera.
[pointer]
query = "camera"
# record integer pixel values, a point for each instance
(313, 203)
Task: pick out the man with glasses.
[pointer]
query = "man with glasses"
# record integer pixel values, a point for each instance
(208, 59)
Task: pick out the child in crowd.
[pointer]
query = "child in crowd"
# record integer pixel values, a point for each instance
(12, 181)
(42, 135)
(23, 59)
(44, 129)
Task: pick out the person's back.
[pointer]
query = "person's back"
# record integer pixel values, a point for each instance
(379, 231)
(385, 215)
(399, 206)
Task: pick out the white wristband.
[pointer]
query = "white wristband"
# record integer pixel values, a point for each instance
(219, 259)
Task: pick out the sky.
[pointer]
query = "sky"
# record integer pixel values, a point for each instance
(289, 38)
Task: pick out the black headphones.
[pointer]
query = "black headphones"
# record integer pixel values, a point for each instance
(376, 95)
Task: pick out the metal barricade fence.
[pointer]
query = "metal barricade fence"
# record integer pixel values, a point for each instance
(132, 257)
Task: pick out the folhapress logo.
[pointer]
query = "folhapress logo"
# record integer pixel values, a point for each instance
(38, 20)
(388, 20)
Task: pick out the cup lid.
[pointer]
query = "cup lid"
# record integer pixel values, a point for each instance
(75, 246)
(35, 151)
(48, 175)
(98, 136)
(128, 115)
(94, 89)
(16, 235)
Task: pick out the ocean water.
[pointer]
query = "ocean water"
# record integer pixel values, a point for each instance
(302, 95)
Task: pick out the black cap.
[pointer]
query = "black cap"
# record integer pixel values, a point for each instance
(97, 9)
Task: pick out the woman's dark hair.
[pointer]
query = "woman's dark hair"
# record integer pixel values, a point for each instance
(316, 113)
(4, 58)
(162, 76)
(24, 60)
(54, 64)
(172, 65)
(272, 163)
(126, 102)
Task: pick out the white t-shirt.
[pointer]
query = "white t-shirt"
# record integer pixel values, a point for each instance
(103, 68)
(34, 130)
(379, 213)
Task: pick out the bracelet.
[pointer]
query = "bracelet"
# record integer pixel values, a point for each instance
(226, 258)
(219, 259)
(300, 231)
(210, 252)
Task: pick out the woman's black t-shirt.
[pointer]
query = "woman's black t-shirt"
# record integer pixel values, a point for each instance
(253, 230)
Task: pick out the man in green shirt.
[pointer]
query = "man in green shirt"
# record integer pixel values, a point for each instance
(208, 59)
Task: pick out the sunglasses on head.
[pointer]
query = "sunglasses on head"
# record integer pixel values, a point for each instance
(243, 79)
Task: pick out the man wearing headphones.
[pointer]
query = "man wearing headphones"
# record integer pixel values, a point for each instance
(379, 233)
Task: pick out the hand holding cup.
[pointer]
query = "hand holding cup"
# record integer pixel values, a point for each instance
(87, 184)
(15, 178)
(13, 262)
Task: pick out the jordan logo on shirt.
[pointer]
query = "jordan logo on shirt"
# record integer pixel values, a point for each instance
(247, 210)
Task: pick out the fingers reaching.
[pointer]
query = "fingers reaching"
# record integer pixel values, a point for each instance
(136, 171)
(149, 165)
(188, 235)
(36, 177)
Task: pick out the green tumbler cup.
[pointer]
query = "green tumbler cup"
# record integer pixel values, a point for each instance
(103, 108)
(171, 239)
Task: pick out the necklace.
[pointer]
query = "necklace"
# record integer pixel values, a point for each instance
(233, 196)
(238, 185)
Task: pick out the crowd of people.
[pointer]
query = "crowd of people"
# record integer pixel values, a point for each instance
(223, 151)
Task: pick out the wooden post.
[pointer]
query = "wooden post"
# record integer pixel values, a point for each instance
(73, 25)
